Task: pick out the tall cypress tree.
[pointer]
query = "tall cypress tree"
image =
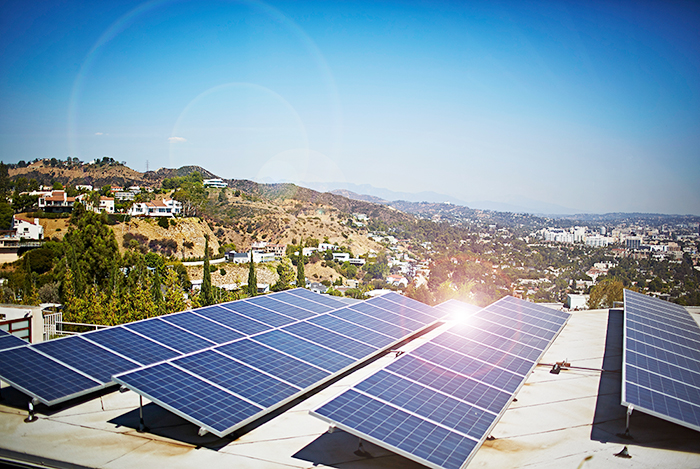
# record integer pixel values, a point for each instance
(252, 279)
(301, 276)
(206, 294)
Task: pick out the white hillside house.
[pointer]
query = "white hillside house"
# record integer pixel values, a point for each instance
(27, 229)
(156, 208)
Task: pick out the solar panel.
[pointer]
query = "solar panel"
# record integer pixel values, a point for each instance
(212, 330)
(661, 360)
(454, 309)
(93, 360)
(438, 403)
(8, 340)
(206, 403)
(283, 307)
(42, 377)
(274, 367)
(96, 356)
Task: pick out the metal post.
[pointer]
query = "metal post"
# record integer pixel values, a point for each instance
(142, 426)
(627, 435)
(31, 417)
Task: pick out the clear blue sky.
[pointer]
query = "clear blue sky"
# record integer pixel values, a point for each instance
(589, 105)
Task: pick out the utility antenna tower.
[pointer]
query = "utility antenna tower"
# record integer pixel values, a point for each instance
(146, 165)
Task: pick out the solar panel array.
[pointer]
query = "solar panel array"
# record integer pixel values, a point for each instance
(437, 403)
(661, 360)
(65, 368)
(226, 386)
(8, 340)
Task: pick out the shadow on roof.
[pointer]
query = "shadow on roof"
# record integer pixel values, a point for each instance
(11, 397)
(610, 416)
(162, 422)
(341, 449)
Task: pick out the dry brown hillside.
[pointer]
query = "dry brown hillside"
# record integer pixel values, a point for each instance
(95, 175)
(181, 230)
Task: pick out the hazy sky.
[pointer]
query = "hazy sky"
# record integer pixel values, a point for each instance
(589, 105)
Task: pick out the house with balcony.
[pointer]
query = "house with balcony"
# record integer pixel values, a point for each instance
(56, 202)
(26, 228)
(156, 208)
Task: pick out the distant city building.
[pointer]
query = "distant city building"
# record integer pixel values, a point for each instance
(633, 242)
(597, 241)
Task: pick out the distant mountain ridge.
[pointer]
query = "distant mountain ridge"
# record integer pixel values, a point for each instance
(385, 196)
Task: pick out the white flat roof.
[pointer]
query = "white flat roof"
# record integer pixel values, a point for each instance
(567, 420)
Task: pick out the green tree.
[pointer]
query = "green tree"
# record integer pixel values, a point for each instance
(252, 279)
(174, 298)
(6, 213)
(301, 276)
(206, 293)
(605, 293)
(91, 251)
(285, 274)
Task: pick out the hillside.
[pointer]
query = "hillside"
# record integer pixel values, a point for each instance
(98, 175)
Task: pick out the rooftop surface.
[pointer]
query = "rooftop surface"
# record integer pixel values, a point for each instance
(567, 420)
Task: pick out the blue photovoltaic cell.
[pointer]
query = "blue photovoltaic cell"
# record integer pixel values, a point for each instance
(186, 394)
(352, 330)
(541, 329)
(169, 335)
(661, 366)
(299, 302)
(87, 357)
(45, 379)
(280, 307)
(260, 314)
(486, 372)
(486, 354)
(304, 350)
(403, 311)
(9, 341)
(519, 306)
(450, 382)
(459, 382)
(454, 309)
(332, 303)
(428, 403)
(399, 429)
(684, 334)
(411, 303)
(662, 339)
(236, 377)
(371, 323)
(507, 345)
(275, 363)
(203, 327)
(330, 339)
(131, 345)
(388, 316)
(227, 317)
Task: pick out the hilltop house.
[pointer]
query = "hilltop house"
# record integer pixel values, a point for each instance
(106, 204)
(214, 183)
(27, 229)
(57, 202)
(156, 208)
